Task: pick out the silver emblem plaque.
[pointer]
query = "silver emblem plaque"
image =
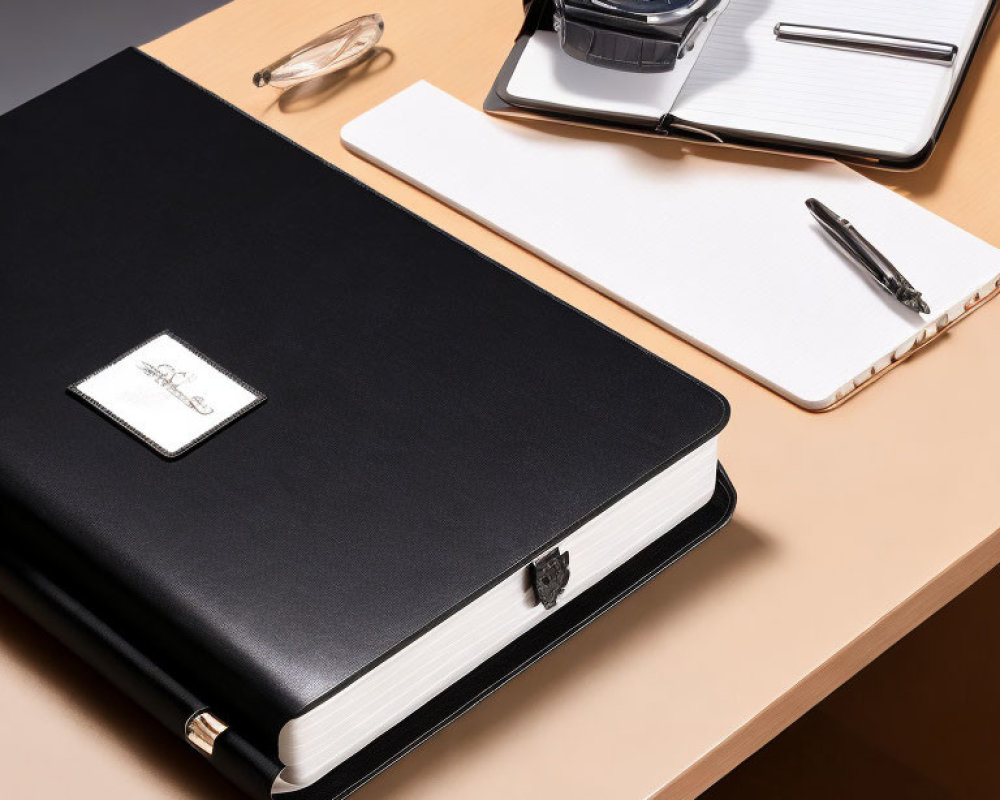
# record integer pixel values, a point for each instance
(167, 394)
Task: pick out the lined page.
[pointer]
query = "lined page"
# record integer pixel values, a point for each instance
(724, 254)
(747, 81)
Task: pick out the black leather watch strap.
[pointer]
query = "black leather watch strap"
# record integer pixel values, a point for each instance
(620, 50)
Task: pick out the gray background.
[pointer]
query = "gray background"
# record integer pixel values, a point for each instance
(44, 42)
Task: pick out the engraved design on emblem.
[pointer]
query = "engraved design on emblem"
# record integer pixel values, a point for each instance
(171, 380)
(549, 576)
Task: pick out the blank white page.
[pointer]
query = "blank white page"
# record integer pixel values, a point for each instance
(747, 81)
(723, 254)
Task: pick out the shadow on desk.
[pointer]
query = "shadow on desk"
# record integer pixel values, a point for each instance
(923, 182)
(919, 723)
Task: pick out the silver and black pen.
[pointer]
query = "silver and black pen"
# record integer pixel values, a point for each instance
(866, 42)
(864, 253)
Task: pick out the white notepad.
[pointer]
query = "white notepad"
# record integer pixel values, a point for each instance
(743, 81)
(725, 255)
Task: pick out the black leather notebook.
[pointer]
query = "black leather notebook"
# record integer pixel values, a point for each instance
(301, 473)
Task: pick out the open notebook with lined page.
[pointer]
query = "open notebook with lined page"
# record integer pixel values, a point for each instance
(744, 82)
(724, 254)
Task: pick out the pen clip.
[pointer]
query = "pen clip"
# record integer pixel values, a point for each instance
(872, 260)
(852, 243)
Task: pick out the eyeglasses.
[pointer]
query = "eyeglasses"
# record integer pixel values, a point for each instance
(335, 50)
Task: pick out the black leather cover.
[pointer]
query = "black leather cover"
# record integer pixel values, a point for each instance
(433, 421)
(254, 771)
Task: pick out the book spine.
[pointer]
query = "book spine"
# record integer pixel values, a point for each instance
(177, 708)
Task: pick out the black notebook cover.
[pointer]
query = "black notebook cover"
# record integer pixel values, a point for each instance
(432, 421)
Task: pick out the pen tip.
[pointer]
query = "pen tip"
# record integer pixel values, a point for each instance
(913, 301)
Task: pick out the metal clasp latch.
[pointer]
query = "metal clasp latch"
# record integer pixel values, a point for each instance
(549, 576)
(202, 730)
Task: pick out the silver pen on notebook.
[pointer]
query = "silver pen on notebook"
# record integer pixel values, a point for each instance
(865, 255)
(865, 42)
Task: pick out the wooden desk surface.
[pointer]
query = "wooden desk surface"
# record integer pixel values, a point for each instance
(852, 526)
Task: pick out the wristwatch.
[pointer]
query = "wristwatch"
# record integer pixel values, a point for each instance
(631, 35)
